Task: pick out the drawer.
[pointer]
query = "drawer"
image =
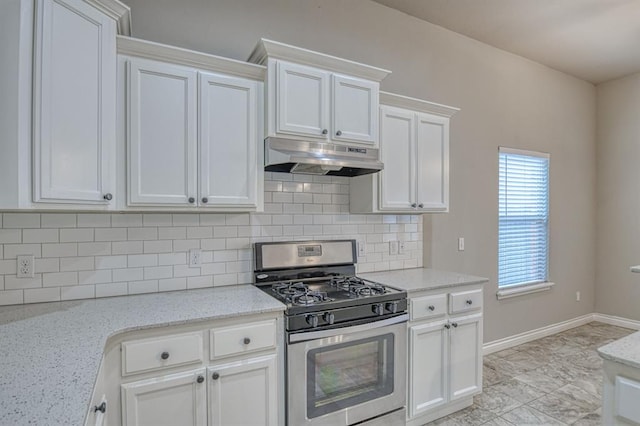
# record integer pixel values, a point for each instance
(243, 338)
(428, 306)
(627, 395)
(161, 352)
(464, 301)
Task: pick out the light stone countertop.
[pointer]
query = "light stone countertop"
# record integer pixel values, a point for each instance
(625, 351)
(50, 353)
(420, 279)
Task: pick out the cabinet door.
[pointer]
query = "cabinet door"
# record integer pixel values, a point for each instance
(354, 109)
(74, 103)
(432, 149)
(427, 367)
(302, 100)
(228, 141)
(177, 399)
(465, 356)
(397, 139)
(244, 393)
(162, 139)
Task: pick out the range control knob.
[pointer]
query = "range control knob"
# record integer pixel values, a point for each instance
(312, 320)
(329, 317)
(392, 307)
(378, 309)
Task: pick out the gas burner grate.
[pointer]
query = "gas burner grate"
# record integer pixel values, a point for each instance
(357, 287)
(310, 298)
(291, 289)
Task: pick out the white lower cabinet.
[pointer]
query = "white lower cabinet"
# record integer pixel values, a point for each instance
(179, 377)
(445, 358)
(233, 386)
(177, 399)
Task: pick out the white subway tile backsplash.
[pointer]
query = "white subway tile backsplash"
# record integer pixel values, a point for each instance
(86, 255)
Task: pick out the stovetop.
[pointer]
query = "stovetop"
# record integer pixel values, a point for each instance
(334, 289)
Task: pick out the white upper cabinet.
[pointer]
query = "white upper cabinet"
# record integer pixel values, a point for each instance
(318, 97)
(354, 109)
(414, 148)
(302, 100)
(74, 104)
(193, 135)
(162, 150)
(228, 140)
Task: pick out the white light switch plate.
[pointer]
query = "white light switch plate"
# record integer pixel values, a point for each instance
(362, 249)
(393, 247)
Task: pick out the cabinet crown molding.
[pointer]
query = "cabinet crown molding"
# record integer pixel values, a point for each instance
(400, 101)
(269, 49)
(176, 55)
(120, 12)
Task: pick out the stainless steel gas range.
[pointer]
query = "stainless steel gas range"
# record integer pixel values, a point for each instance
(346, 336)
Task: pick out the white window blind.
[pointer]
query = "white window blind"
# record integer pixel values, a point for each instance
(523, 217)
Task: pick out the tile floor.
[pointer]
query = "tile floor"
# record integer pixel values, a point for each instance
(556, 380)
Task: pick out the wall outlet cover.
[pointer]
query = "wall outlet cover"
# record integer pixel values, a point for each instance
(25, 266)
(393, 247)
(195, 258)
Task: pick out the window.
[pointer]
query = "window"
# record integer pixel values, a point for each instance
(523, 221)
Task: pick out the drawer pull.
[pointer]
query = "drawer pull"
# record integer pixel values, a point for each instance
(469, 302)
(164, 355)
(454, 324)
(432, 308)
(102, 408)
(215, 376)
(200, 379)
(447, 326)
(246, 341)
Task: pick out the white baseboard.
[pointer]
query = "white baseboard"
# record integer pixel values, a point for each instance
(619, 321)
(528, 336)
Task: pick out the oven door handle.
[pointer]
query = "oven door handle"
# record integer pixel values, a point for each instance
(320, 334)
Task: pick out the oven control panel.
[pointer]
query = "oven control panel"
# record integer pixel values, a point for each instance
(309, 250)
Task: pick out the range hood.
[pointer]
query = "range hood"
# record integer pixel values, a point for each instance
(319, 158)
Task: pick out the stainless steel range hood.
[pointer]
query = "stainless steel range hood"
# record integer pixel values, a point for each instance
(319, 158)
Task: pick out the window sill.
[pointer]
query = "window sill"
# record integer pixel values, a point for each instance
(521, 290)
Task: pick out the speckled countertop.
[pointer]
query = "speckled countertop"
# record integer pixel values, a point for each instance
(420, 279)
(50, 352)
(625, 351)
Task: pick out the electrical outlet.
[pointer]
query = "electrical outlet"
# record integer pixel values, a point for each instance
(25, 266)
(393, 247)
(195, 258)
(401, 248)
(362, 249)
(461, 244)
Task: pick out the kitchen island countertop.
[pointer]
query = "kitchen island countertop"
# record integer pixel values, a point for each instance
(421, 279)
(624, 351)
(50, 353)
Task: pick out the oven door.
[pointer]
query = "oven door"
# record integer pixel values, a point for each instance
(347, 375)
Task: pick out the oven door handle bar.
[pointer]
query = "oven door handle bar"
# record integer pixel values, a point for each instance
(321, 334)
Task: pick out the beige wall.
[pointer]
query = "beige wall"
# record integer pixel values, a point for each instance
(618, 196)
(505, 100)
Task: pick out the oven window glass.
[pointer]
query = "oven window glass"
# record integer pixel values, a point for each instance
(348, 374)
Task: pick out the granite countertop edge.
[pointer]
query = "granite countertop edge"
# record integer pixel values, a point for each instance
(65, 342)
(624, 351)
(422, 279)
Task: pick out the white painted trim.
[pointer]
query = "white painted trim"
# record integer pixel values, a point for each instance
(521, 290)
(516, 151)
(116, 10)
(272, 49)
(619, 321)
(400, 101)
(176, 55)
(528, 336)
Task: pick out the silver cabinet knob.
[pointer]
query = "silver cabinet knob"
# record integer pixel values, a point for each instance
(191, 200)
(432, 308)
(215, 376)
(325, 131)
(421, 205)
(454, 324)
(469, 302)
(102, 408)
(164, 355)
(205, 200)
(413, 205)
(200, 379)
(108, 196)
(447, 326)
(246, 341)
(339, 133)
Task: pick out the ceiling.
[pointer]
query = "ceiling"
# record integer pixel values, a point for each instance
(595, 40)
